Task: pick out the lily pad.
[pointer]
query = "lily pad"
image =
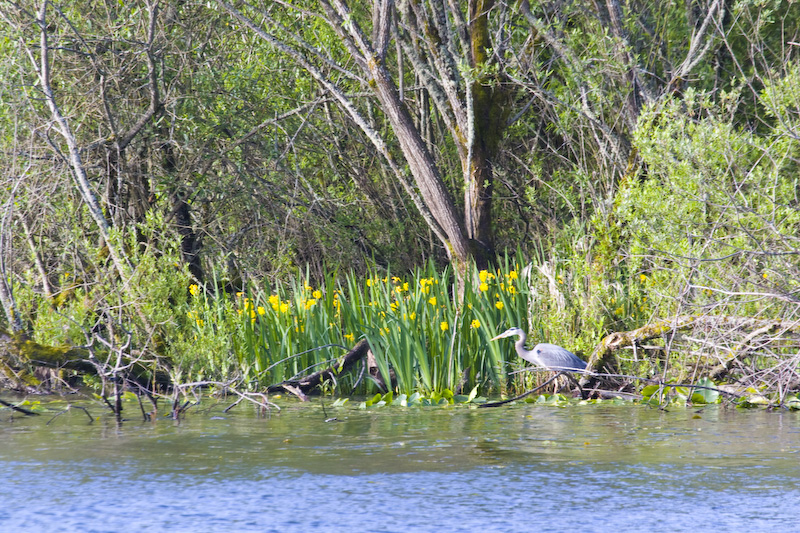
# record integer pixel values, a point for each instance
(649, 391)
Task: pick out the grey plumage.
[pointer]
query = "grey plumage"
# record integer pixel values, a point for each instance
(545, 355)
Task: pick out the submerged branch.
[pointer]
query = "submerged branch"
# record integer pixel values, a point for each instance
(524, 394)
(18, 409)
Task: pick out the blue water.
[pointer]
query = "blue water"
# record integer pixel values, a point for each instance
(517, 468)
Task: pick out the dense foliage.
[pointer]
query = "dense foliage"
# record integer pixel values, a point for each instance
(235, 186)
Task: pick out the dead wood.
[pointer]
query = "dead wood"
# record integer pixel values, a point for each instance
(310, 384)
(22, 359)
(729, 340)
(19, 357)
(528, 393)
(18, 408)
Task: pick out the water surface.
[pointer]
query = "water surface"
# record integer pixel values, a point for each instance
(517, 468)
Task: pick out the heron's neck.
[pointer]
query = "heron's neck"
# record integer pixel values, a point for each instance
(520, 344)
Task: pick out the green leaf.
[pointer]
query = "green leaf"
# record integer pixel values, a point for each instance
(705, 395)
(649, 390)
(375, 399)
(472, 394)
(793, 402)
(653, 400)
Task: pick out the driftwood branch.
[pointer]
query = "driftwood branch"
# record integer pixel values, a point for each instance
(70, 407)
(306, 385)
(528, 393)
(616, 341)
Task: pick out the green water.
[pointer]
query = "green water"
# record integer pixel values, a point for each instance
(516, 468)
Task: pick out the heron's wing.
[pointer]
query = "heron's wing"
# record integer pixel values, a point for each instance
(557, 358)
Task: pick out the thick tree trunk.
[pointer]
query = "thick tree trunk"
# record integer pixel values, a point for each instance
(422, 166)
(487, 116)
(472, 109)
(371, 56)
(190, 244)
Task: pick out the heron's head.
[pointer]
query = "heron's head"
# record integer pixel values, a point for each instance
(510, 332)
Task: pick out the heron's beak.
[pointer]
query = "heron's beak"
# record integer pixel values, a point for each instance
(507, 333)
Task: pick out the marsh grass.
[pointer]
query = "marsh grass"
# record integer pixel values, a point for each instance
(424, 336)
(427, 336)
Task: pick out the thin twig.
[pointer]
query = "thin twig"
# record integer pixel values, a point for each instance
(69, 408)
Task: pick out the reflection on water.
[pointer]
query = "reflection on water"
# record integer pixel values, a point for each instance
(517, 468)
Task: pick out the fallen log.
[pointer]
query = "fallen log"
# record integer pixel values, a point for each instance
(20, 355)
(310, 384)
(20, 358)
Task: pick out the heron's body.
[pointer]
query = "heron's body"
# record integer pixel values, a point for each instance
(545, 355)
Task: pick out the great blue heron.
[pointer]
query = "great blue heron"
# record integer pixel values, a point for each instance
(546, 355)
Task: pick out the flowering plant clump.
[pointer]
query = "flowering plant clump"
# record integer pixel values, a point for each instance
(424, 332)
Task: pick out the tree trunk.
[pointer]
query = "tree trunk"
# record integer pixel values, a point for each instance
(487, 116)
(73, 152)
(422, 166)
(9, 305)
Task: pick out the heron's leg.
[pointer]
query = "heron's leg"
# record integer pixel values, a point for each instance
(562, 380)
(571, 378)
(558, 384)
